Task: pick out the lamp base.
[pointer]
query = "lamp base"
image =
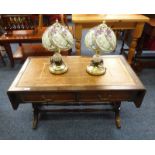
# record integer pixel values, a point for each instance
(96, 70)
(54, 69)
(57, 65)
(96, 66)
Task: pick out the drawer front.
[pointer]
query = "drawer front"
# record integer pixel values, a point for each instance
(49, 97)
(79, 96)
(106, 96)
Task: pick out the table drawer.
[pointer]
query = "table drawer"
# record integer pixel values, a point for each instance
(79, 96)
(49, 97)
(106, 96)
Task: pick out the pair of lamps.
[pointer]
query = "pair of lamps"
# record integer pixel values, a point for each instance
(98, 39)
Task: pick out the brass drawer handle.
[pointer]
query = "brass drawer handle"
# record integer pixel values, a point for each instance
(105, 98)
(47, 99)
(101, 98)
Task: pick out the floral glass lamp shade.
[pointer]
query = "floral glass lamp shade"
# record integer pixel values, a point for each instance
(55, 39)
(99, 39)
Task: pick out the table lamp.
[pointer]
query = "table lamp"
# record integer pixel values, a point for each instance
(99, 39)
(55, 39)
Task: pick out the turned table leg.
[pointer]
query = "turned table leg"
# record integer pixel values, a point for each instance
(78, 35)
(132, 49)
(116, 106)
(136, 35)
(35, 116)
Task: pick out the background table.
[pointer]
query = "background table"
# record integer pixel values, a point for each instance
(21, 36)
(115, 21)
(35, 84)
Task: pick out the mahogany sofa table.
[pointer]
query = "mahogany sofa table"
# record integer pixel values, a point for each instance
(115, 21)
(35, 84)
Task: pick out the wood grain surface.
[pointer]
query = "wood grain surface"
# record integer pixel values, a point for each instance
(35, 75)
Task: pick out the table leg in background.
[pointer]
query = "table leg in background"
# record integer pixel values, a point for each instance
(136, 35)
(9, 53)
(78, 36)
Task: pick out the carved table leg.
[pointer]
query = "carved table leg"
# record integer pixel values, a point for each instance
(35, 116)
(116, 106)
